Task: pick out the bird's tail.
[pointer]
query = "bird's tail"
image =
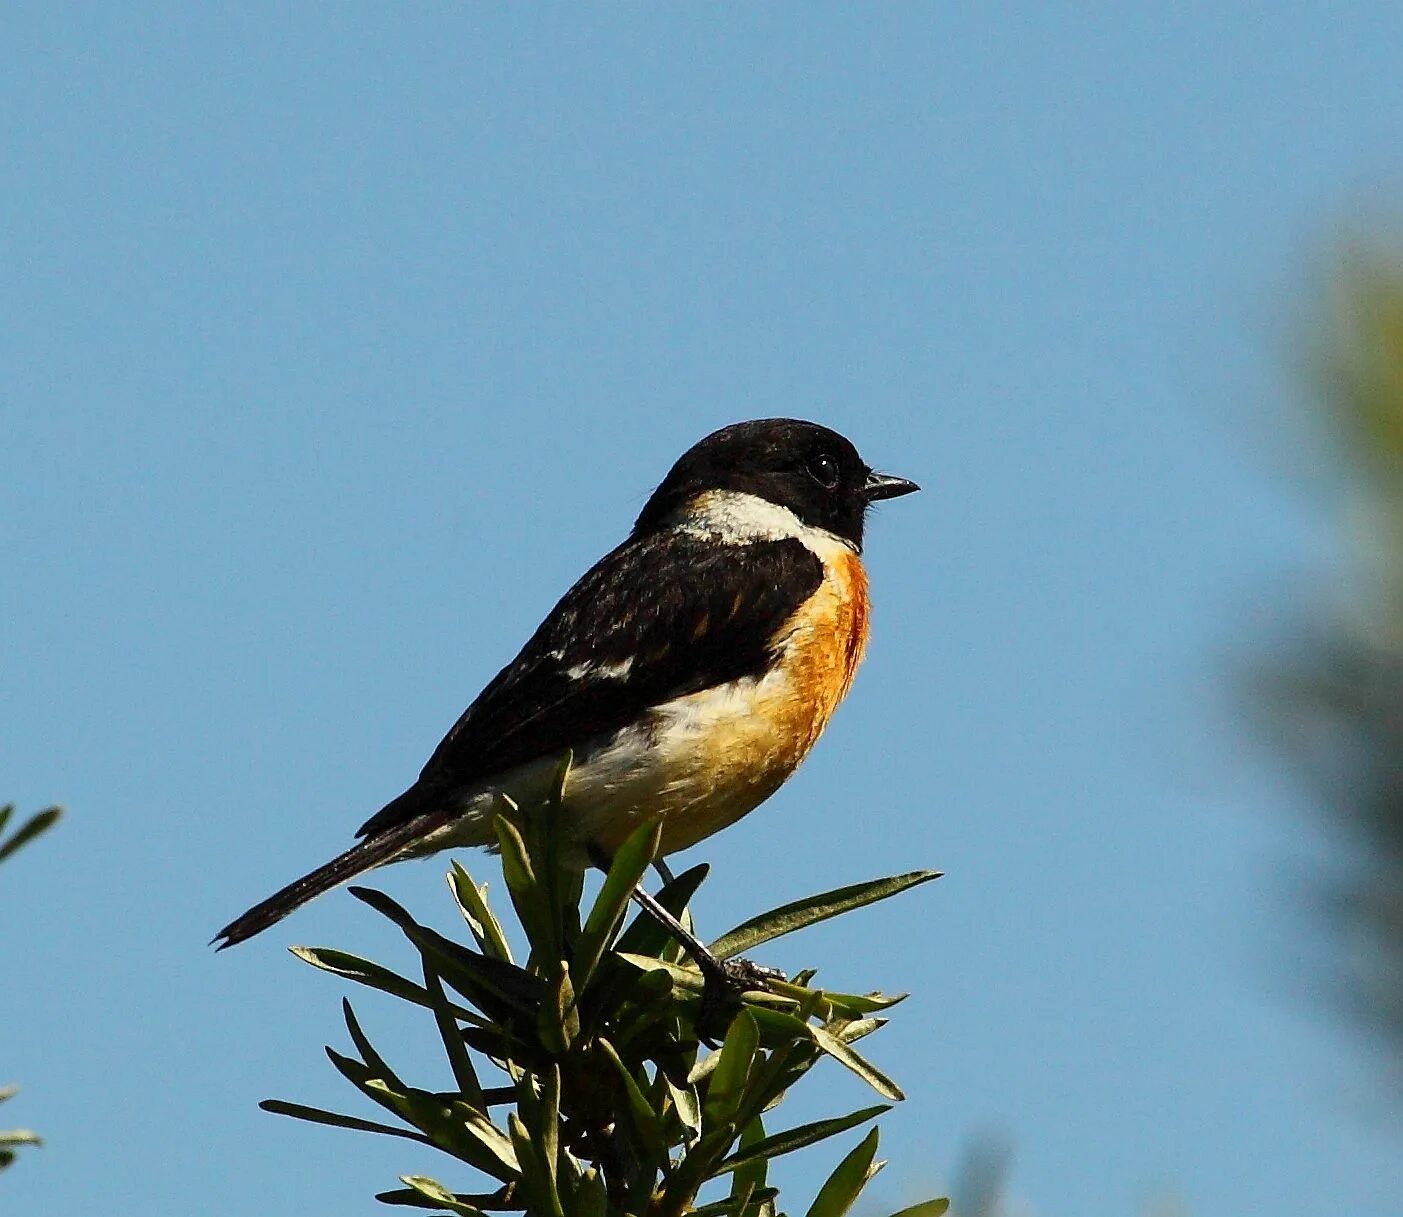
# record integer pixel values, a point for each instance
(372, 852)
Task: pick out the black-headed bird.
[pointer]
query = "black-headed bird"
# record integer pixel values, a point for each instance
(688, 672)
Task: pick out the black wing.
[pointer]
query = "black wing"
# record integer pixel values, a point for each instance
(660, 617)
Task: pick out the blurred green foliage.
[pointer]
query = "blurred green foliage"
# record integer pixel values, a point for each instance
(12, 1139)
(1336, 694)
(582, 1083)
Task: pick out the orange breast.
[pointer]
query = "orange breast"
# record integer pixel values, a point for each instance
(824, 643)
(755, 736)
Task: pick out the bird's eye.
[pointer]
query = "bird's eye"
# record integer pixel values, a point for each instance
(824, 470)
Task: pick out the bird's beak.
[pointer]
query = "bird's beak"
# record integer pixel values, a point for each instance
(885, 486)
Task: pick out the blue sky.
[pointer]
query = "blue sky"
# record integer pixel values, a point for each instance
(335, 343)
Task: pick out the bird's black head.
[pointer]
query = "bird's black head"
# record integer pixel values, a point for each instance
(814, 472)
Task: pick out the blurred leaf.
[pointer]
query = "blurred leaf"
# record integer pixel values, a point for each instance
(795, 916)
(927, 1208)
(30, 829)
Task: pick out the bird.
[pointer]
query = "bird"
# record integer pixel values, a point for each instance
(685, 675)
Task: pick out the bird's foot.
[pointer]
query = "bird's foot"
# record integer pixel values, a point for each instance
(725, 980)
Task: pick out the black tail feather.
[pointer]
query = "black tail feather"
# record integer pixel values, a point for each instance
(357, 860)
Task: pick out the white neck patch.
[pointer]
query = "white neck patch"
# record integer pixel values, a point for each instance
(735, 517)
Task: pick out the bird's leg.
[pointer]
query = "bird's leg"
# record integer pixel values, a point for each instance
(724, 980)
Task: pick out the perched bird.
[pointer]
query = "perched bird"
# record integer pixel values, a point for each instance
(689, 671)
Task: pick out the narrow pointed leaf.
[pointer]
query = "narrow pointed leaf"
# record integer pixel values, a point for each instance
(811, 910)
(524, 889)
(536, 1179)
(472, 902)
(373, 1060)
(837, 1195)
(315, 1115)
(752, 1175)
(797, 1138)
(363, 972)
(632, 859)
(864, 1069)
(726, 1087)
(645, 1118)
(454, 1127)
(432, 1189)
(451, 1036)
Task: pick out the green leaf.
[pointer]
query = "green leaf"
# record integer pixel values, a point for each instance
(645, 936)
(363, 972)
(538, 1181)
(685, 978)
(726, 1087)
(502, 990)
(590, 1198)
(9, 1091)
(315, 1115)
(526, 894)
(927, 1208)
(20, 1136)
(752, 1175)
(453, 1126)
(811, 910)
(432, 1189)
(631, 860)
(848, 1003)
(735, 1204)
(548, 1134)
(472, 903)
(454, 1048)
(31, 828)
(374, 1061)
(864, 1069)
(687, 1106)
(836, 1196)
(645, 1119)
(851, 1032)
(797, 1138)
(559, 1019)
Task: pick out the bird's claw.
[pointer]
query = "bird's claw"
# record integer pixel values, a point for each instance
(725, 981)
